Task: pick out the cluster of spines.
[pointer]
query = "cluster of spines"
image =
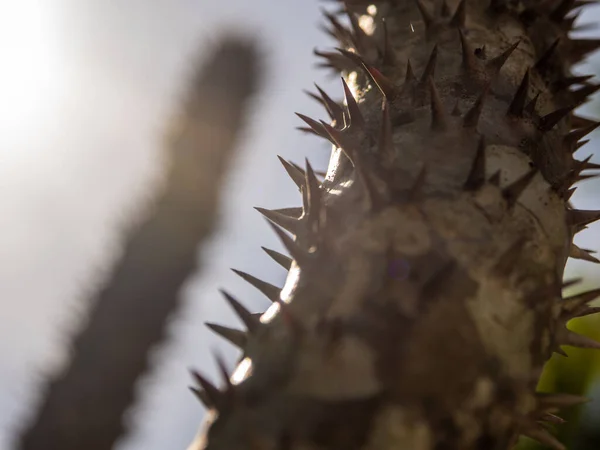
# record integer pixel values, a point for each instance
(346, 120)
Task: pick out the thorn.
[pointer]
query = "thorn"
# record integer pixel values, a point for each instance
(294, 212)
(214, 396)
(237, 337)
(298, 168)
(568, 337)
(335, 110)
(574, 303)
(201, 395)
(439, 120)
(476, 177)
(494, 65)
(551, 402)
(279, 258)
(351, 56)
(315, 127)
(560, 12)
(549, 120)
(530, 108)
(508, 260)
(481, 52)
(579, 48)
(558, 350)
(359, 38)
(335, 61)
(430, 68)
(471, 118)
(356, 117)
(225, 376)
(585, 177)
(251, 322)
(569, 194)
(300, 256)
(339, 31)
(580, 144)
(294, 174)
(336, 135)
(375, 199)
(460, 16)
(269, 290)
(495, 178)
(386, 143)
(583, 254)
(512, 192)
(590, 166)
(581, 217)
(543, 63)
(566, 82)
(588, 311)
(328, 31)
(385, 85)
(425, 14)
(541, 435)
(581, 122)
(316, 98)
(571, 139)
(445, 9)
(410, 76)
(469, 62)
(314, 196)
(571, 282)
(308, 131)
(288, 223)
(518, 103)
(581, 95)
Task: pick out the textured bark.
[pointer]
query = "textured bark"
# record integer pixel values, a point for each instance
(425, 293)
(83, 406)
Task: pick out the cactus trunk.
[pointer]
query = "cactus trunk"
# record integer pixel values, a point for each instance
(425, 293)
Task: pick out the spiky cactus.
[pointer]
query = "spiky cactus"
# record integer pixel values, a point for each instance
(83, 406)
(425, 292)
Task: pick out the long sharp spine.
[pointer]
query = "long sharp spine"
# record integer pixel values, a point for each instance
(269, 290)
(286, 222)
(237, 337)
(356, 118)
(251, 322)
(279, 258)
(476, 177)
(512, 192)
(520, 98)
(439, 121)
(293, 172)
(300, 256)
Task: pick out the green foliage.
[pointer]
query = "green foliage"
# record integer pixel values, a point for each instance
(578, 374)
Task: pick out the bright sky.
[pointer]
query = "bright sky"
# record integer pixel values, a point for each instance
(30, 63)
(84, 88)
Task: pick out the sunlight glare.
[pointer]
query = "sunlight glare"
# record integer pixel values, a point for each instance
(29, 68)
(242, 371)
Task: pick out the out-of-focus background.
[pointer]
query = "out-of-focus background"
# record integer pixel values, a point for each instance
(86, 88)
